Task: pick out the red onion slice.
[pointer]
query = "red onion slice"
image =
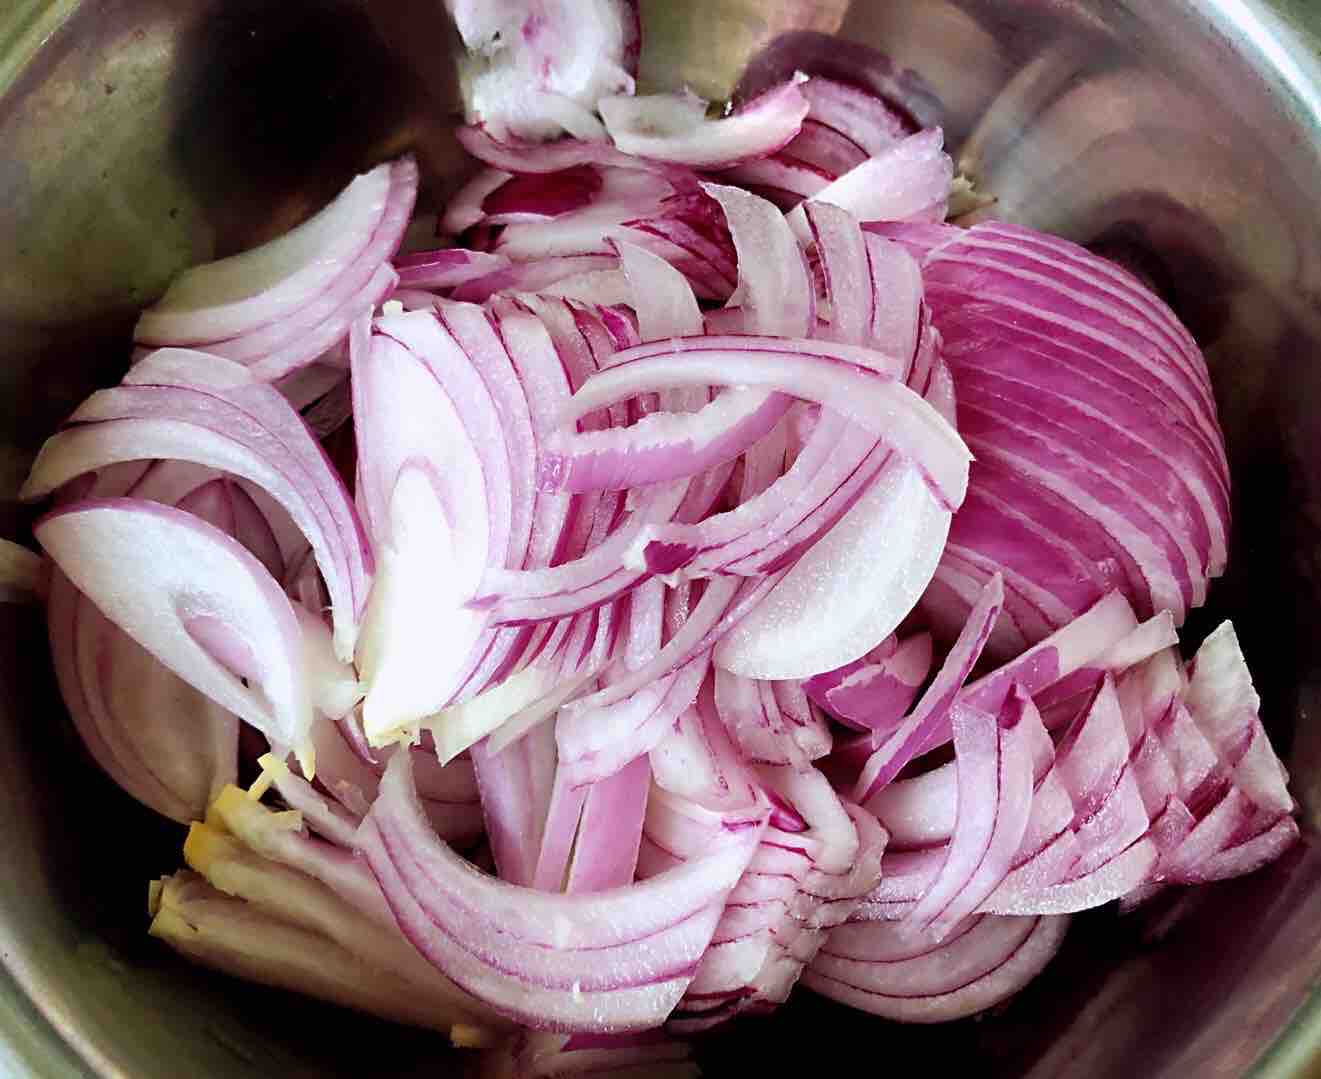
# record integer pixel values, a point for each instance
(1083, 344)
(1222, 700)
(662, 297)
(535, 69)
(239, 938)
(1011, 952)
(539, 1054)
(876, 403)
(219, 300)
(202, 605)
(229, 423)
(873, 693)
(840, 599)
(907, 181)
(610, 833)
(915, 734)
(516, 790)
(427, 510)
(445, 268)
(673, 127)
(492, 938)
(158, 738)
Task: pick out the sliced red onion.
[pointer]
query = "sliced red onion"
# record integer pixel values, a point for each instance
(228, 423)
(536, 196)
(1082, 345)
(428, 338)
(241, 939)
(535, 69)
(230, 508)
(275, 352)
(1251, 854)
(457, 727)
(445, 267)
(662, 297)
(773, 277)
(525, 157)
(633, 678)
(220, 300)
(558, 835)
(319, 885)
(841, 598)
(623, 193)
(1223, 702)
(427, 511)
(449, 793)
(610, 833)
(595, 578)
(873, 693)
(663, 446)
(777, 515)
(673, 127)
(994, 770)
(752, 715)
(541, 1055)
(1093, 752)
(1046, 664)
(898, 316)
(203, 606)
(908, 181)
(669, 446)
(970, 973)
(866, 119)
(515, 787)
(535, 276)
(846, 272)
(1110, 881)
(156, 736)
(844, 126)
(915, 734)
(1201, 776)
(808, 725)
(879, 404)
(595, 742)
(321, 814)
(494, 939)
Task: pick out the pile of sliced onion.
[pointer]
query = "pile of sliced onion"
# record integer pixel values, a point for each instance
(736, 577)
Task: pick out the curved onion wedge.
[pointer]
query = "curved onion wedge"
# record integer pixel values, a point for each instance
(613, 960)
(967, 974)
(190, 406)
(674, 127)
(226, 298)
(195, 599)
(850, 589)
(820, 373)
(908, 181)
(422, 485)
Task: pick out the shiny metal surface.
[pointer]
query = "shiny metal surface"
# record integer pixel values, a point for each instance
(1183, 136)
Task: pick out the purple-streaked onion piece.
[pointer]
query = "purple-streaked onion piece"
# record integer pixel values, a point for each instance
(968, 973)
(555, 961)
(193, 407)
(674, 127)
(201, 604)
(908, 181)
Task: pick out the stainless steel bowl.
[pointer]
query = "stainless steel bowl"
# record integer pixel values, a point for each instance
(1184, 136)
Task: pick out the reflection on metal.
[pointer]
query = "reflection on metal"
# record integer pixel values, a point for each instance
(1182, 137)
